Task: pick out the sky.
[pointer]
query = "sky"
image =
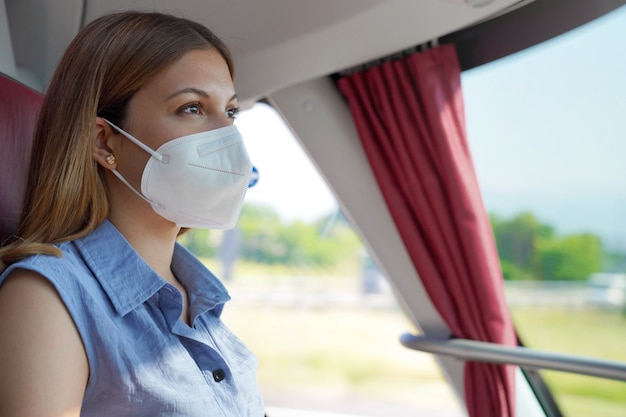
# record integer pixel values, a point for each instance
(548, 133)
(288, 180)
(546, 128)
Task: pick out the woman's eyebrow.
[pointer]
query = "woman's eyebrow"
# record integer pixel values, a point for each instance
(189, 90)
(195, 91)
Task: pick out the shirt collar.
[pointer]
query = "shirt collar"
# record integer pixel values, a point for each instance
(129, 281)
(205, 292)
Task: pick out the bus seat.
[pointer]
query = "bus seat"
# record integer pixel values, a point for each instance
(19, 106)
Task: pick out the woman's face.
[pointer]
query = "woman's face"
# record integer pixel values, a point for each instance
(194, 94)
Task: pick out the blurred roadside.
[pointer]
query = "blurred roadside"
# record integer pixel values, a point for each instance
(327, 346)
(429, 401)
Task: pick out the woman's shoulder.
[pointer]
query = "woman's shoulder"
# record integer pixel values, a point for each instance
(67, 279)
(71, 263)
(42, 335)
(68, 274)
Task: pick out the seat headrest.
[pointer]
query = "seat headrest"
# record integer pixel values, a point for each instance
(19, 107)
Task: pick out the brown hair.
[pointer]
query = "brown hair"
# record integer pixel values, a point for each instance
(103, 67)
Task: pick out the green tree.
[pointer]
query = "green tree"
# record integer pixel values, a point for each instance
(529, 249)
(516, 240)
(572, 257)
(266, 239)
(260, 227)
(199, 242)
(512, 272)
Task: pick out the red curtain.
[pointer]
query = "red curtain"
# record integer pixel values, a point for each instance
(410, 118)
(19, 106)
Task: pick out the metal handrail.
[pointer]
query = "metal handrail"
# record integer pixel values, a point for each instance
(524, 357)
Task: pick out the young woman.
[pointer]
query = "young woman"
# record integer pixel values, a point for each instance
(102, 313)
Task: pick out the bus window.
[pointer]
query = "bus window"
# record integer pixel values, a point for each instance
(309, 300)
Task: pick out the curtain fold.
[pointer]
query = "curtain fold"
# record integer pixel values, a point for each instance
(410, 117)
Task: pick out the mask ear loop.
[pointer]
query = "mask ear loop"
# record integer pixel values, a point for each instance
(137, 142)
(118, 175)
(154, 154)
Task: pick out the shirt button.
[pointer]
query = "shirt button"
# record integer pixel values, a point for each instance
(218, 375)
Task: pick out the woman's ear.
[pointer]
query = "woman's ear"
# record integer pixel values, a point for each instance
(103, 151)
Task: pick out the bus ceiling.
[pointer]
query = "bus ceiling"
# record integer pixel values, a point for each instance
(326, 36)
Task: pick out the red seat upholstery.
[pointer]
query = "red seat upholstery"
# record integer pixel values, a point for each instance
(19, 106)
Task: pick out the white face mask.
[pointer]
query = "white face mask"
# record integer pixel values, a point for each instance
(198, 180)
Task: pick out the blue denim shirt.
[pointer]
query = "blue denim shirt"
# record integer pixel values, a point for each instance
(143, 360)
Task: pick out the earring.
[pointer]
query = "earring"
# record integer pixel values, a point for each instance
(110, 159)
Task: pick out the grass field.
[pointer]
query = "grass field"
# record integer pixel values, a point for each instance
(594, 333)
(354, 352)
(345, 352)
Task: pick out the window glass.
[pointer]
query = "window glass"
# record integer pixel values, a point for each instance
(546, 128)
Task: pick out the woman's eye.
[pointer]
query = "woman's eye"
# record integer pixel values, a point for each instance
(192, 108)
(232, 113)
